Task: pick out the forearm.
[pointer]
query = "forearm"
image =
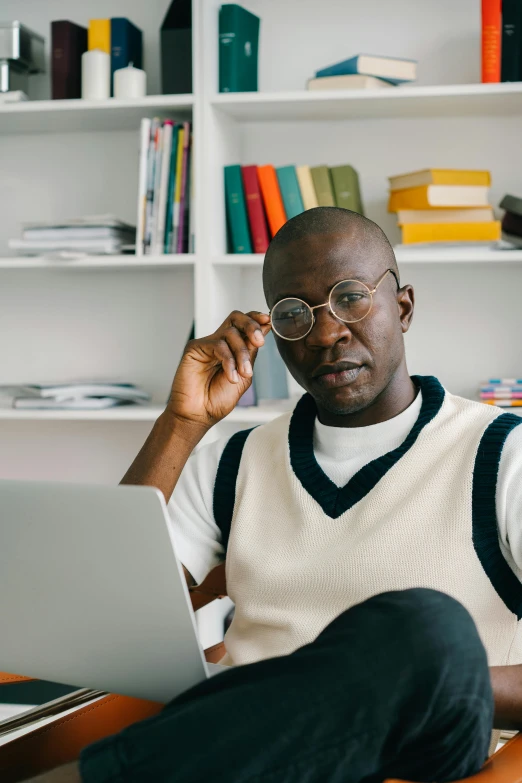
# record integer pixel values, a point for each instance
(164, 454)
(506, 682)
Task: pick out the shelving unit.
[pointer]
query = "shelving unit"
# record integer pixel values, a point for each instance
(67, 158)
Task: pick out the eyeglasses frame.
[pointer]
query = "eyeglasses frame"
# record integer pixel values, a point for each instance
(329, 305)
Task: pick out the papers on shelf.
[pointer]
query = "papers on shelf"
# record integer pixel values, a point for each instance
(72, 396)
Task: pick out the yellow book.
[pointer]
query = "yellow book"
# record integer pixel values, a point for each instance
(177, 189)
(99, 35)
(434, 196)
(451, 232)
(440, 177)
(306, 186)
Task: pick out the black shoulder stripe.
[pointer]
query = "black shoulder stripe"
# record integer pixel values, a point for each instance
(225, 486)
(485, 530)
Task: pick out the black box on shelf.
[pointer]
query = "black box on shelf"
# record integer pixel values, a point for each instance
(176, 48)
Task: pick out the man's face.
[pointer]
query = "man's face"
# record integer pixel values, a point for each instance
(343, 366)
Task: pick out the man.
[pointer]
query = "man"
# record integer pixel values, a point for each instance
(347, 526)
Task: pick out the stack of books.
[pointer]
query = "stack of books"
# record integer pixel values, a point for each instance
(93, 235)
(364, 72)
(512, 220)
(260, 199)
(443, 205)
(86, 395)
(165, 214)
(505, 392)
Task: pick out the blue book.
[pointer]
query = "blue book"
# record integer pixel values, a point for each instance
(290, 191)
(126, 45)
(270, 378)
(391, 69)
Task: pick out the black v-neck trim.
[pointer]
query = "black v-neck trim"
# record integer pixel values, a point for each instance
(336, 500)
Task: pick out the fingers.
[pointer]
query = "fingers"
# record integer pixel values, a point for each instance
(225, 357)
(251, 325)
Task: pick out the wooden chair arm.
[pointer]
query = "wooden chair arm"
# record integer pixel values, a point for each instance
(504, 766)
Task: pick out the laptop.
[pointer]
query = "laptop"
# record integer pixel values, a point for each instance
(93, 594)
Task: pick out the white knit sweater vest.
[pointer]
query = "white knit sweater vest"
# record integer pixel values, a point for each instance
(301, 550)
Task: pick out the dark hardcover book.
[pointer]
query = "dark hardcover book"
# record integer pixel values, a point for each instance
(237, 220)
(512, 204)
(511, 63)
(176, 49)
(68, 43)
(512, 224)
(126, 45)
(238, 49)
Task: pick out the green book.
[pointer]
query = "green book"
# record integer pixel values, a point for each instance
(238, 49)
(237, 220)
(323, 186)
(290, 191)
(346, 188)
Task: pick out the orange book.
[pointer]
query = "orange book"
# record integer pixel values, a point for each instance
(491, 40)
(272, 200)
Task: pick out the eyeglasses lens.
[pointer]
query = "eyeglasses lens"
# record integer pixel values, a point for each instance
(291, 319)
(350, 301)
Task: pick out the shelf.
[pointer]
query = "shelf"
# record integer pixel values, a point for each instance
(79, 115)
(404, 256)
(130, 413)
(454, 100)
(183, 260)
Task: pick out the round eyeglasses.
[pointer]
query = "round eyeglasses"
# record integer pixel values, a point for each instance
(349, 301)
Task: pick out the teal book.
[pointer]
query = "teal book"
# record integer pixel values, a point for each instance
(290, 191)
(237, 220)
(270, 376)
(171, 190)
(238, 49)
(346, 188)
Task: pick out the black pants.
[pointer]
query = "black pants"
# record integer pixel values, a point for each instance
(397, 686)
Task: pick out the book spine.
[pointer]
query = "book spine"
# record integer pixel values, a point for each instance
(177, 192)
(511, 48)
(158, 150)
(290, 192)
(256, 213)
(491, 40)
(183, 197)
(505, 381)
(236, 210)
(172, 188)
(272, 200)
(451, 232)
(99, 36)
(151, 163)
(306, 187)
(323, 186)
(228, 45)
(192, 211)
(163, 187)
(142, 186)
(68, 43)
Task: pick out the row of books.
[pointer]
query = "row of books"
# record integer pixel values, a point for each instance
(165, 214)
(260, 199)
(501, 41)
(504, 392)
(443, 205)
(93, 235)
(364, 72)
(118, 37)
(87, 395)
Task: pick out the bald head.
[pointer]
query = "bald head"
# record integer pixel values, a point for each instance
(358, 231)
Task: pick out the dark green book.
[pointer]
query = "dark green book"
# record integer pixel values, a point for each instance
(511, 63)
(290, 191)
(237, 219)
(238, 49)
(346, 188)
(323, 186)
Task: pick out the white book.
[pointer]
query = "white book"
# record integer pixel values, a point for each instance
(142, 185)
(306, 186)
(101, 232)
(89, 246)
(156, 191)
(107, 220)
(122, 391)
(159, 248)
(79, 404)
(351, 82)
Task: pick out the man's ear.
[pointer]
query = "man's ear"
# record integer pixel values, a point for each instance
(406, 302)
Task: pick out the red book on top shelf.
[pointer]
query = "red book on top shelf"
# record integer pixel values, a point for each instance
(491, 40)
(255, 209)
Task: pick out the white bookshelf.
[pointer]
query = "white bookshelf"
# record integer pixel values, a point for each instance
(128, 317)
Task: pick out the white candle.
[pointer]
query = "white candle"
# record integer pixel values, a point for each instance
(130, 82)
(96, 75)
